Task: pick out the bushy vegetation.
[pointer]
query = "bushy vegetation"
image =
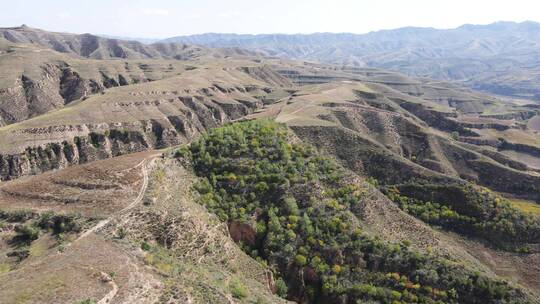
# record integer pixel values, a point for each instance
(31, 224)
(27, 233)
(238, 290)
(300, 210)
(17, 215)
(468, 210)
(96, 139)
(59, 223)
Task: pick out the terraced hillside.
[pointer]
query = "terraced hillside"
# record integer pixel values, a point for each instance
(159, 240)
(442, 180)
(500, 58)
(425, 126)
(41, 76)
(138, 117)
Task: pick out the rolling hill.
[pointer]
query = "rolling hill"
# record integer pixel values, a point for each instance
(500, 58)
(96, 47)
(237, 177)
(42, 71)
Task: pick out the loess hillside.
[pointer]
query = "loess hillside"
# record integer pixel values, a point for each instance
(500, 58)
(43, 71)
(227, 176)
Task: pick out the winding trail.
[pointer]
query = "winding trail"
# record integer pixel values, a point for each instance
(108, 297)
(144, 163)
(145, 168)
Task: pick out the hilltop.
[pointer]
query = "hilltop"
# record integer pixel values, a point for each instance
(498, 58)
(96, 47)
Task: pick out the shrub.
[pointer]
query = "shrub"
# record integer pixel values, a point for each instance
(17, 215)
(121, 232)
(96, 139)
(20, 254)
(182, 152)
(281, 288)
(261, 300)
(238, 290)
(27, 232)
(145, 246)
(59, 223)
(336, 269)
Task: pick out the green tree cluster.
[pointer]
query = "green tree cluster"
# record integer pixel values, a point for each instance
(301, 208)
(469, 210)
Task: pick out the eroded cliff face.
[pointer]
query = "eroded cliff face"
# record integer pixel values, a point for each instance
(28, 96)
(376, 130)
(443, 162)
(53, 86)
(35, 80)
(76, 144)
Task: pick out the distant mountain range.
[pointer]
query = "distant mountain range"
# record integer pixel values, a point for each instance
(96, 47)
(141, 40)
(501, 58)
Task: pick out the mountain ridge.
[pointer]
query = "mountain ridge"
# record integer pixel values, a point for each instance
(498, 58)
(97, 47)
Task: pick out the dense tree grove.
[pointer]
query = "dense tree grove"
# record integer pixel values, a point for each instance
(296, 213)
(469, 210)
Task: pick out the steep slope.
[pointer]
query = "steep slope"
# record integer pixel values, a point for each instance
(150, 244)
(404, 119)
(37, 77)
(143, 116)
(36, 80)
(422, 125)
(179, 229)
(500, 58)
(305, 216)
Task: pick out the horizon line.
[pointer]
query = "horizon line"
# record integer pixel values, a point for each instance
(122, 37)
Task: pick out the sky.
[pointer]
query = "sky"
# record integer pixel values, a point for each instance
(167, 18)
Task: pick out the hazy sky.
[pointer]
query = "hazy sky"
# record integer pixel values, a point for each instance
(165, 18)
